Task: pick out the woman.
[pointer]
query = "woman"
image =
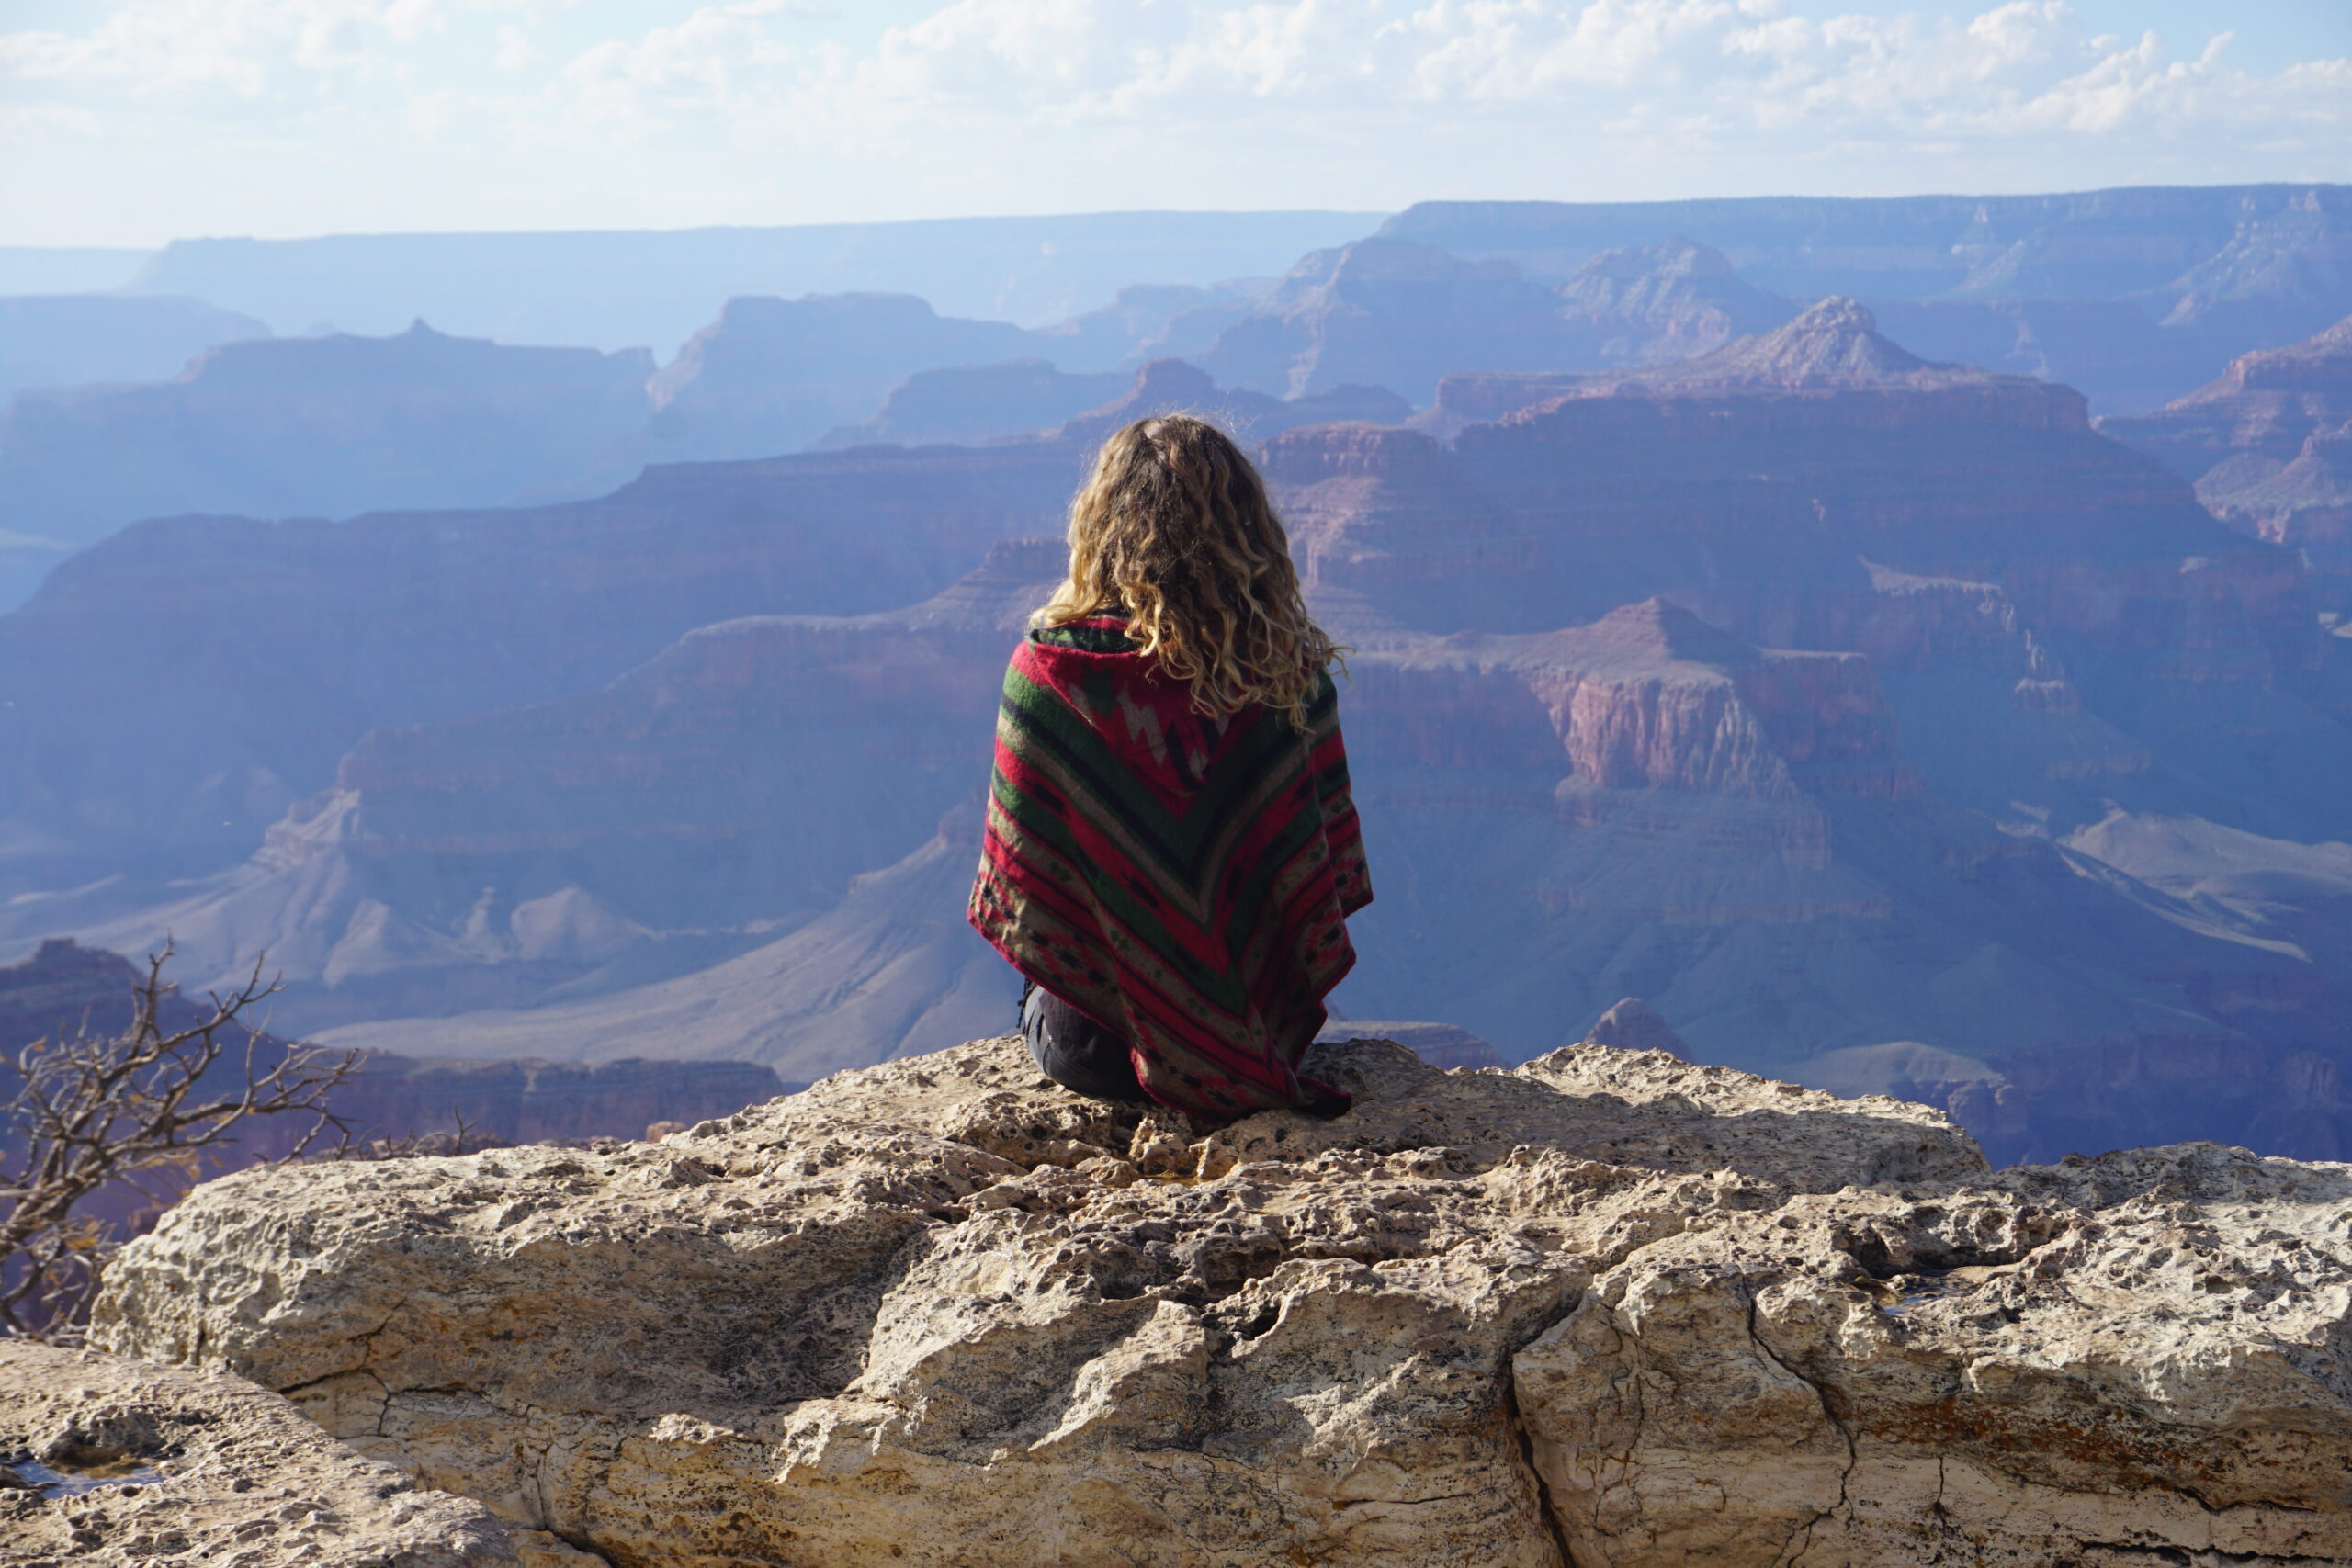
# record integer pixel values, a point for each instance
(1172, 851)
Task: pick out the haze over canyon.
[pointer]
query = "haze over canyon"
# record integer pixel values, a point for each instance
(1904, 642)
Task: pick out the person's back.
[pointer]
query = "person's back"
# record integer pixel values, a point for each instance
(1173, 852)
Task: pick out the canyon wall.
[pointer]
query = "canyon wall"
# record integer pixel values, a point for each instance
(2268, 446)
(1858, 648)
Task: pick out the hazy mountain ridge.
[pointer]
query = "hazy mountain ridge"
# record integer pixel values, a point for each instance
(471, 422)
(1389, 313)
(323, 426)
(619, 289)
(1995, 618)
(1821, 692)
(2190, 249)
(69, 340)
(336, 426)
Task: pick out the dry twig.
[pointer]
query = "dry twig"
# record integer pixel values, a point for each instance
(141, 1110)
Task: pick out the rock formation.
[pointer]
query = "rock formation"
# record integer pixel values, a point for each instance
(2256, 415)
(323, 426)
(2112, 351)
(1172, 386)
(1405, 315)
(1439, 1044)
(1388, 530)
(1671, 300)
(2269, 447)
(1651, 803)
(615, 837)
(108, 1463)
(259, 652)
(2244, 265)
(890, 970)
(1607, 1307)
(1389, 314)
(771, 375)
(968, 404)
(1833, 346)
(1151, 320)
(70, 340)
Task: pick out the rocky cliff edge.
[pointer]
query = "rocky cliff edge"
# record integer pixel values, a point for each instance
(1607, 1307)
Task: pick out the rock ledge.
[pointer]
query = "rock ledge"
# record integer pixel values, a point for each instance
(1609, 1305)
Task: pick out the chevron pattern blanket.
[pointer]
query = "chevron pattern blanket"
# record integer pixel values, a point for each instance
(1181, 880)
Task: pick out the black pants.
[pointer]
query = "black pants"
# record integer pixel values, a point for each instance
(1076, 1052)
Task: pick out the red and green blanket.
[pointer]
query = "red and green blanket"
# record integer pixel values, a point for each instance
(1183, 881)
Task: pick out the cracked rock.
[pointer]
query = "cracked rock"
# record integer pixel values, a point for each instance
(2026, 1368)
(107, 1463)
(1609, 1302)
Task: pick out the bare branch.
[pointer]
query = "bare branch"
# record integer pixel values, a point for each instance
(144, 1112)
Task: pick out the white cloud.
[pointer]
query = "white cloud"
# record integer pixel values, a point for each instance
(2015, 71)
(515, 50)
(150, 47)
(806, 111)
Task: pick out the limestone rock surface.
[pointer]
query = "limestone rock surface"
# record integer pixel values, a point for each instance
(2139, 1359)
(105, 1463)
(1607, 1307)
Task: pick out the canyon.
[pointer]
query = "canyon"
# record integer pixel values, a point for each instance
(1850, 700)
(2132, 297)
(1859, 652)
(1881, 721)
(2259, 257)
(1842, 729)
(1607, 1307)
(65, 989)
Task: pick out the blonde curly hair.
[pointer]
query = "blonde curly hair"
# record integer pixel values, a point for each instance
(1174, 530)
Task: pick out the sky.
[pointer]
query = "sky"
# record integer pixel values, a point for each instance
(130, 122)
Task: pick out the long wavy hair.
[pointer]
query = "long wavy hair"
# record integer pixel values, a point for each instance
(1173, 530)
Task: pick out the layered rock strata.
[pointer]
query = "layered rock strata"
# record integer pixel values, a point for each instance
(107, 1463)
(1607, 1307)
(2269, 446)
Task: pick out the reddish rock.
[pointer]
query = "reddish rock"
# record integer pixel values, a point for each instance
(2265, 406)
(246, 656)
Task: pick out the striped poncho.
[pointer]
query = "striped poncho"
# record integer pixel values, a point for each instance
(1183, 881)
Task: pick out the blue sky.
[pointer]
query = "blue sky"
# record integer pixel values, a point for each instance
(132, 121)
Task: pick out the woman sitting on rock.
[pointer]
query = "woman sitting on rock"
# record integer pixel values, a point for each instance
(1172, 851)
